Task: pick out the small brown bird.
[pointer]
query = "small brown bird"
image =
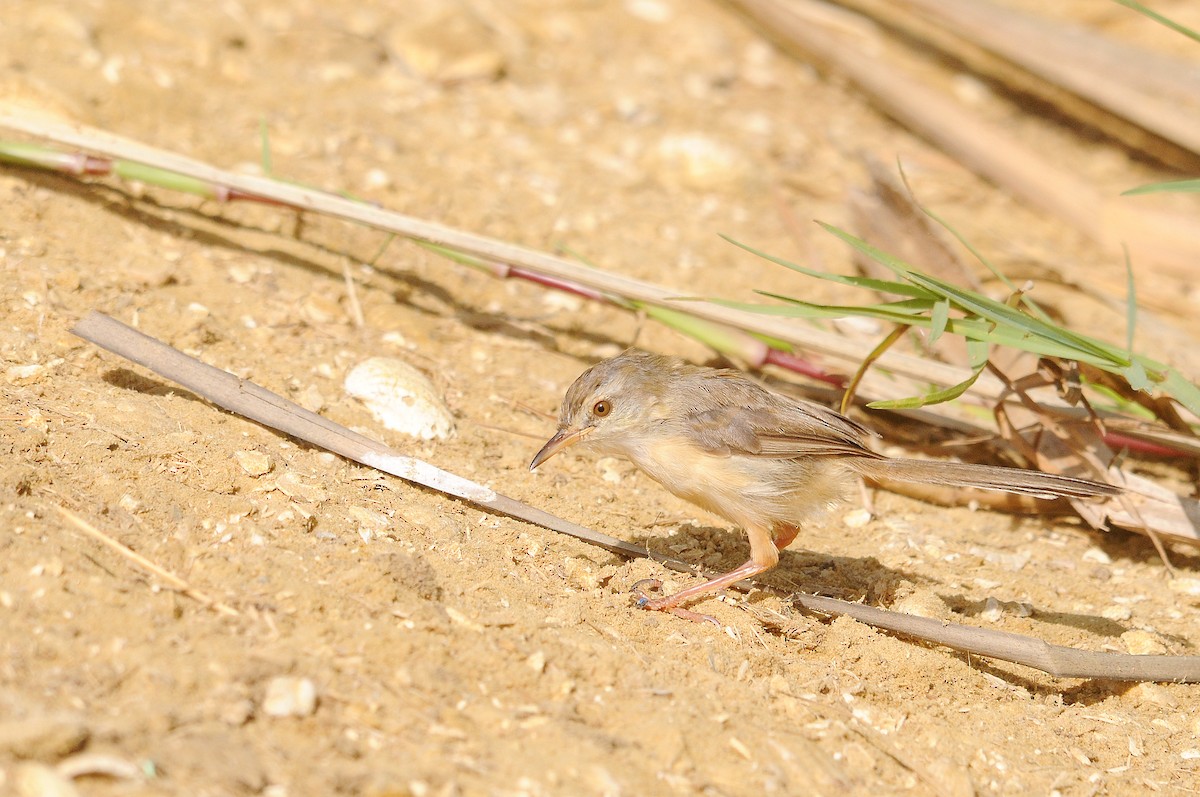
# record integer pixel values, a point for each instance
(756, 458)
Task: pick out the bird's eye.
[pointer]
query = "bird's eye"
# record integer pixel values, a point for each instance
(601, 408)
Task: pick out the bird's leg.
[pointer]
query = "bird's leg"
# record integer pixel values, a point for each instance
(763, 556)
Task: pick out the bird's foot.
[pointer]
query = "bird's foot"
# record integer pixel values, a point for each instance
(666, 604)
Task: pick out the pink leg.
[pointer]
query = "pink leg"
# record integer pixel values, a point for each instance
(763, 556)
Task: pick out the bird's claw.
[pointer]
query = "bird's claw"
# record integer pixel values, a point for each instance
(643, 600)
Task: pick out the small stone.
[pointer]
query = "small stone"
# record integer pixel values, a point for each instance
(369, 518)
(1185, 586)
(320, 308)
(581, 573)
(1143, 643)
(655, 11)
(1116, 613)
(290, 485)
(992, 610)
(254, 463)
(610, 469)
(38, 780)
(536, 661)
(44, 738)
(24, 374)
(1013, 562)
(1153, 694)
(451, 46)
(699, 161)
(1096, 555)
(856, 518)
(290, 697)
(923, 603)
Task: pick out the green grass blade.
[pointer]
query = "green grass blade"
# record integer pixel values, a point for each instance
(1130, 304)
(796, 308)
(1171, 186)
(1000, 313)
(878, 285)
(1033, 306)
(1160, 19)
(1183, 391)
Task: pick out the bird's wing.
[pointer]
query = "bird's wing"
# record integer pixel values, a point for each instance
(772, 426)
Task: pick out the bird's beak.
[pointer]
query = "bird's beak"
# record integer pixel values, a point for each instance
(563, 438)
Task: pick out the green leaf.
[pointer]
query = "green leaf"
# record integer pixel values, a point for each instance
(1135, 375)
(936, 397)
(939, 317)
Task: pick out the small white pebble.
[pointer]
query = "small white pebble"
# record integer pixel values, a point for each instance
(1096, 555)
(1116, 613)
(24, 374)
(1185, 586)
(290, 697)
(31, 779)
(654, 11)
(992, 610)
(856, 518)
(369, 518)
(254, 463)
(1143, 643)
(610, 469)
(698, 160)
(536, 661)
(377, 178)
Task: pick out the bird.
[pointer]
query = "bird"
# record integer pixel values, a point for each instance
(759, 459)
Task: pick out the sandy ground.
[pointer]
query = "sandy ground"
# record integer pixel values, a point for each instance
(451, 651)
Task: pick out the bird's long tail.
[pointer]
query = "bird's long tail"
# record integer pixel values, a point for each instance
(985, 477)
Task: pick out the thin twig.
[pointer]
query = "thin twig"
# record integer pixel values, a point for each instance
(173, 580)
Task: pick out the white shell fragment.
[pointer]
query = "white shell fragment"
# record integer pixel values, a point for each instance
(400, 398)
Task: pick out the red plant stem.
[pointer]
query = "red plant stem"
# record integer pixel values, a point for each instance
(1119, 440)
(559, 284)
(791, 362)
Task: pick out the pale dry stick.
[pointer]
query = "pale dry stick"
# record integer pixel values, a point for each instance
(252, 401)
(1131, 94)
(809, 337)
(1169, 240)
(173, 580)
(1156, 91)
(262, 406)
(356, 313)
